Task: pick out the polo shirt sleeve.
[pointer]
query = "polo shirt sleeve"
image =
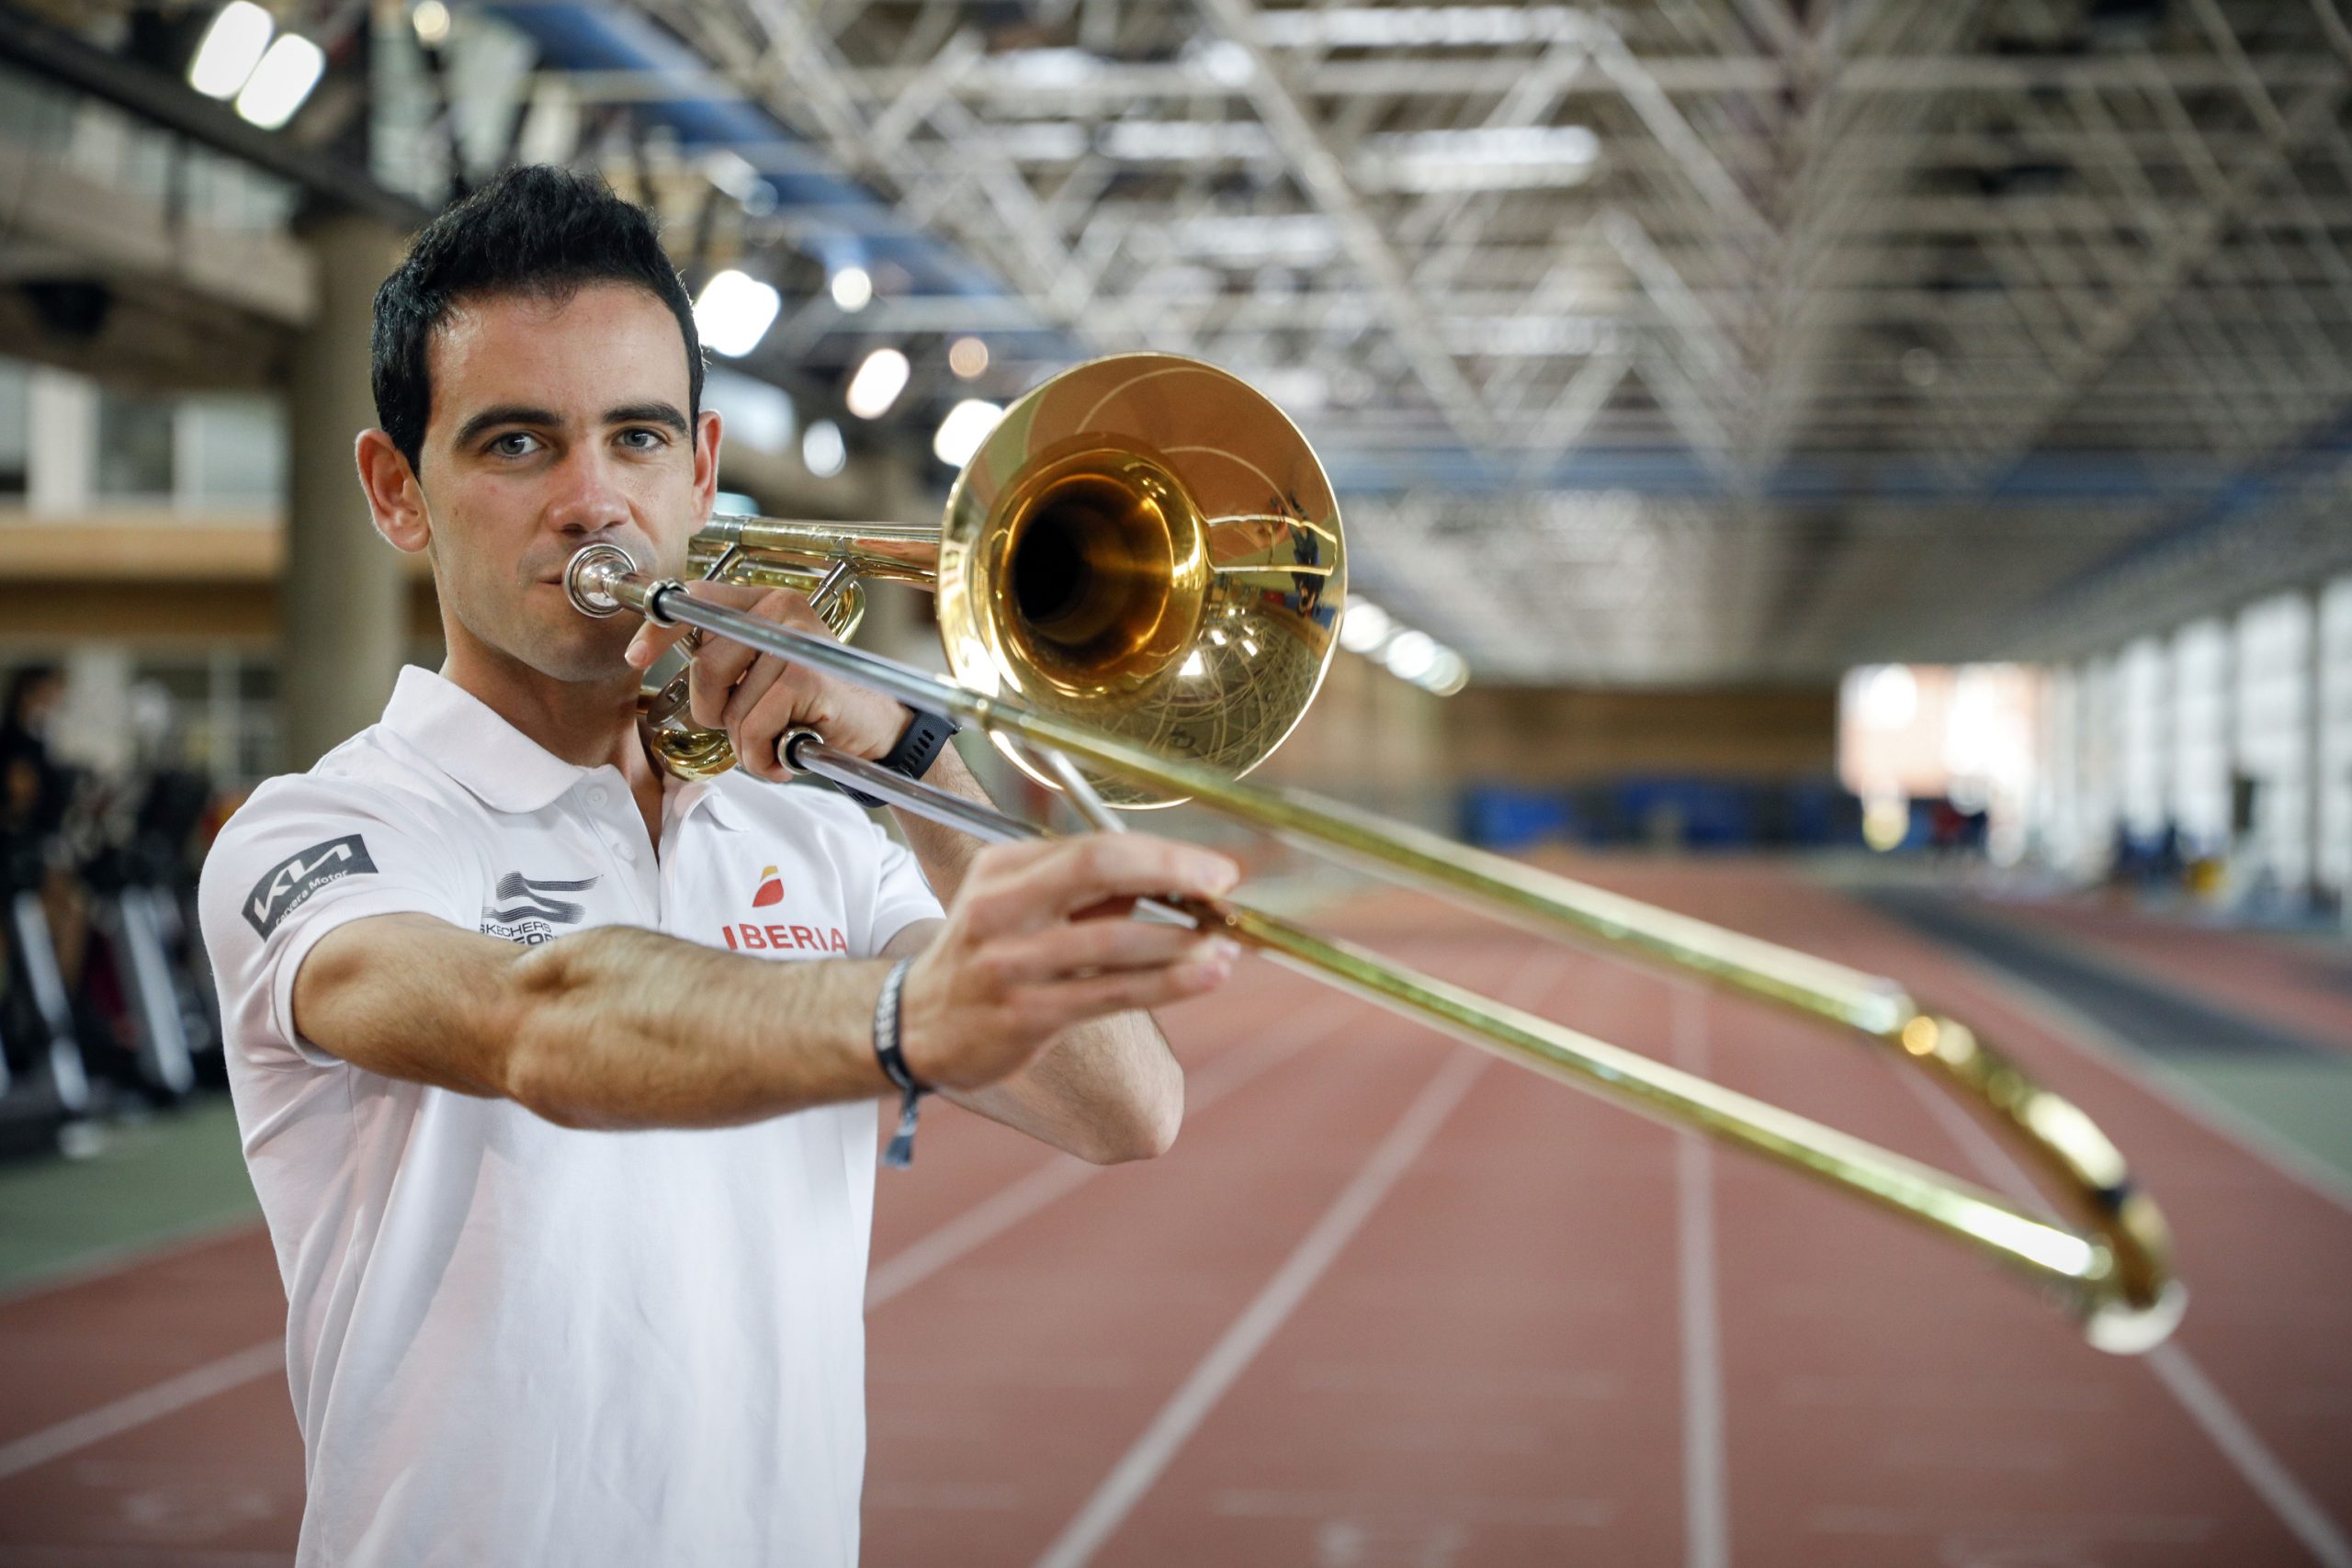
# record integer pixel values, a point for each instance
(303, 856)
(902, 896)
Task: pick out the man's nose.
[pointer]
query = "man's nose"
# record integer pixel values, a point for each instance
(588, 499)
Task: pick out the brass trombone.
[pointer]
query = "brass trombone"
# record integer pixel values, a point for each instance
(1140, 577)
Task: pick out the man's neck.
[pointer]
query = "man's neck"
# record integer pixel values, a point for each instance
(586, 723)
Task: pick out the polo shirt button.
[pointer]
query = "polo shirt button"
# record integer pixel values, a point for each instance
(598, 795)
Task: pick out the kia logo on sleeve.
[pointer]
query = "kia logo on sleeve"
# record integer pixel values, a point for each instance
(286, 886)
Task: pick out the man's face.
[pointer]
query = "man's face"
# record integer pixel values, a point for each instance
(556, 422)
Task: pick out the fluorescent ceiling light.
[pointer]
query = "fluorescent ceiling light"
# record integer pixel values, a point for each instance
(1411, 655)
(1293, 388)
(283, 79)
(967, 425)
(1363, 627)
(1492, 158)
(1183, 141)
(735, 313)
(1395, 26)
(1448, 675)
(967, 356)
(1298, 238)
(232, 46)
(852, 288)
(878, 383)
(1048, 67)
(431, 20)
(1041, 140)
(1223, 61)
(823, 450)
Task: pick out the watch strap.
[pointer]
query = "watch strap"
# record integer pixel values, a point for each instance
(918, 748)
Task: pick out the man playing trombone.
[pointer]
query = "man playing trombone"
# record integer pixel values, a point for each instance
(555, 1074)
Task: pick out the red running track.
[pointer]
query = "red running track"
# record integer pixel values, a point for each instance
(1391, 1302)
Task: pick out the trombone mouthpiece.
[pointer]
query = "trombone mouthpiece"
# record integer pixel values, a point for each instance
(588, 579)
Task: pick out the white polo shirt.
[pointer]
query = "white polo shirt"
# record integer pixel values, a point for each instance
(509, 1342)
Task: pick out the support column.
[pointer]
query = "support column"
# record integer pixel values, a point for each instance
(342, 601)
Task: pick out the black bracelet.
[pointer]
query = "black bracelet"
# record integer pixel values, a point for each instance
(919, 746)
(902, 1152)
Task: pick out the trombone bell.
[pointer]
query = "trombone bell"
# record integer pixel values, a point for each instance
(1147, 544)
(1144, 544)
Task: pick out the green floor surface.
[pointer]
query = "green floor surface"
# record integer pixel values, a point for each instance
(174, 1175)
(2304, 1104)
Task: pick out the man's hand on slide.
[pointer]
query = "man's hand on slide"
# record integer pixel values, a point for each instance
(1038, 940)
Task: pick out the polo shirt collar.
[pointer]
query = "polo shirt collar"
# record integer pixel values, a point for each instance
(506, 770)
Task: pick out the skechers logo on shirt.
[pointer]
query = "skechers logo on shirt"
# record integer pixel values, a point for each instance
(526, 913)
(286, 886)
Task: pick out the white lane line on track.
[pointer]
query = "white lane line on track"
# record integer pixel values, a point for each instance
(75, 1433)
(992, 1216)
(1137, 1471)
(1706, 1513)
(2205, 1404)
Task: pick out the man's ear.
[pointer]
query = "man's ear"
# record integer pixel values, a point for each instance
(706, 431)
(395, 499)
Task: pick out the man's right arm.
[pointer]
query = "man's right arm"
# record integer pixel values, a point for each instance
(620, 1028)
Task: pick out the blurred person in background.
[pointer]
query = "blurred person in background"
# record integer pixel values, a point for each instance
(34, 787)
(36, 794)
(557, 1075)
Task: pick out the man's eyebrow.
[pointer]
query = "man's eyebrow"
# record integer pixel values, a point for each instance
(506, 413)
(664, 414)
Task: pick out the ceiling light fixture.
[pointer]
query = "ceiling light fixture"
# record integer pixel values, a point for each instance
(431, 20)
(232, 46)
(822, 450)
(879, 381)
(735, 313)
(1411, 655)
(967, 356)
(967, 425)
(283, 80)
(1486, 158)
(1363, 627)
(851, 288)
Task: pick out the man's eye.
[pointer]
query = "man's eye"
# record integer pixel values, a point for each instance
(643, 440)
(521, 443)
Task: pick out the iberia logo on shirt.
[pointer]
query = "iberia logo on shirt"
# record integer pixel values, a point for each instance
(742, 936)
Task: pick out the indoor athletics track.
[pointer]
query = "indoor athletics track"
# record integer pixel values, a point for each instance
(1391, 1301)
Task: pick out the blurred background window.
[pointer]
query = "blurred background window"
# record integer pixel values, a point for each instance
(135, 445)
(232, 453)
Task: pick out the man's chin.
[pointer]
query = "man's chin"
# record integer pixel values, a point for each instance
(586, 666)
(582, 652)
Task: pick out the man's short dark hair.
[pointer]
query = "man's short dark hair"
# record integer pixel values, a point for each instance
(533, 231)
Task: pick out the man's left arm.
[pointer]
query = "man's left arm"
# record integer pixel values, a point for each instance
(1108, 1090)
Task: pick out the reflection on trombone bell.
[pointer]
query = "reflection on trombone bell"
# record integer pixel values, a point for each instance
(1140, 578)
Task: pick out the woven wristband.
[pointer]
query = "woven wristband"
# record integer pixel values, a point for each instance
(902, 1152)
